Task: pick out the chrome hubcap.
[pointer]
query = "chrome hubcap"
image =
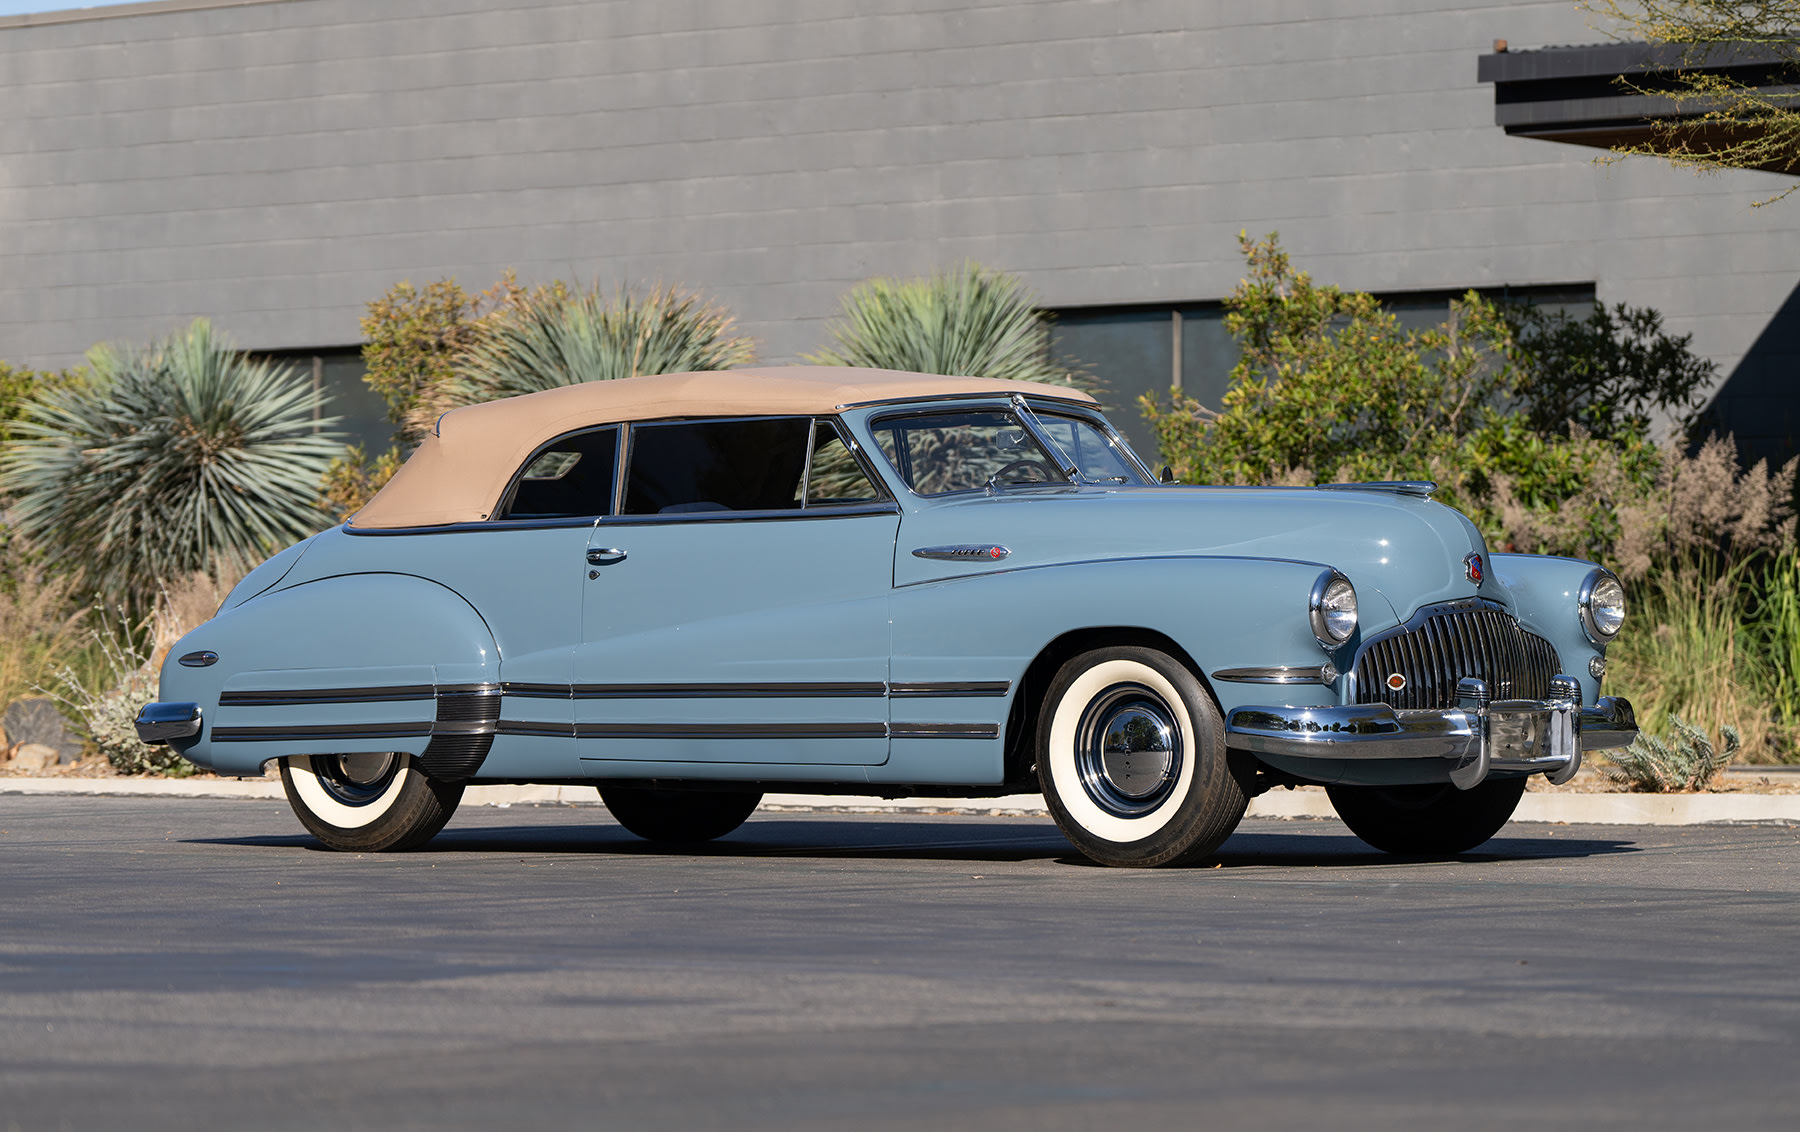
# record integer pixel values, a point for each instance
(356, 780)
(1128, 750)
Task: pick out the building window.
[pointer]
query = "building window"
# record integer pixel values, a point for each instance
(337, 371)
(1152, 349)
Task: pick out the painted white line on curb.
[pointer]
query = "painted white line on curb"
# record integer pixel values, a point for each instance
(1574, 809)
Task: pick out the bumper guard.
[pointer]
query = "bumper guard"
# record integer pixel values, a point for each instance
(1477, 737)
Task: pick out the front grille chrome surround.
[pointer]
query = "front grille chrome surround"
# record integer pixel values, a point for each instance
(1443, 643)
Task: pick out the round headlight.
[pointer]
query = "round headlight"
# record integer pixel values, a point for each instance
(1602, 606)
(1333, 605)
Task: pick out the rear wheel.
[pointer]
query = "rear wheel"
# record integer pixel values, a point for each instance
(1432, 820)
(1132, 760)
(368, 803)
(679, 816)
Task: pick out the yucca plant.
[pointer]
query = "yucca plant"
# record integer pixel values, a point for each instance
(555, 336)
(970, 322)
(170, 459)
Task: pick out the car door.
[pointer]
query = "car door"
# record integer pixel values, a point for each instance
(736, 610)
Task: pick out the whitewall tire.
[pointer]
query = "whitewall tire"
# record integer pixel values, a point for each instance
(369, 802)
(1132, 759)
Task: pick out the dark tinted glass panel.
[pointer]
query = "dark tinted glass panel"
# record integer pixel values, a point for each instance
(700, 466)
(1131, 352)
(1208, 353)
(573, 478)
(939, 453)
(835, 478)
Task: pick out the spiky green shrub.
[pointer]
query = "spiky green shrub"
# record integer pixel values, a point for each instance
(1686, 763)
(168, 460)
(556, 335)
(970, 322)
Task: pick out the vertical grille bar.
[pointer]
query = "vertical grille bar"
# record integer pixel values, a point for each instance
(1438, 649)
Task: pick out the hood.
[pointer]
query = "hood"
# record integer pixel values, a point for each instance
(1406, 549)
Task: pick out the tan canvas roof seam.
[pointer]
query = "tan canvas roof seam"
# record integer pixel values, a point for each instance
(459, 472)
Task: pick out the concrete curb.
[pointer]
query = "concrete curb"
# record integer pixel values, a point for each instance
(1573, 809)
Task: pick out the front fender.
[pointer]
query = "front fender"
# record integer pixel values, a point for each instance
(1224, 612)
(339, 634)
(1545, 592)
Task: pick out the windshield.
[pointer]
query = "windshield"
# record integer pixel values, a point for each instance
(1089, 448)
(938, 453)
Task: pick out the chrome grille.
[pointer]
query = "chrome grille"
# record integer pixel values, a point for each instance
(1437, 649)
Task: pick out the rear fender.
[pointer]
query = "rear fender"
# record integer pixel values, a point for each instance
(352, 663)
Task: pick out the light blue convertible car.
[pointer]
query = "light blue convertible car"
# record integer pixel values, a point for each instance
(687, 590)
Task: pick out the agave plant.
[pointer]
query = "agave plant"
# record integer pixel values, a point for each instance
(555, 336)
(168, 460)
(971, 322)
(1688, 762)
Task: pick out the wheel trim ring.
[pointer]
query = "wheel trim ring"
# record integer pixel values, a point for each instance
(1060, 755)
(312, 792)
(1098, 777)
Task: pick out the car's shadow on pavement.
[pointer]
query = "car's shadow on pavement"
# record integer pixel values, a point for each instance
(958, 839)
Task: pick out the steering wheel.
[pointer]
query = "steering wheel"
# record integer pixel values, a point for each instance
(1049, 473)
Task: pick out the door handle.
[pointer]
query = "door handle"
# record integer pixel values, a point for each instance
(605, 556)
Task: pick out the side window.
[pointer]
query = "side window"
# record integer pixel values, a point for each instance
(938, 453)
(835, 477)
(1091, 449)
(571, 479)
(693, 466)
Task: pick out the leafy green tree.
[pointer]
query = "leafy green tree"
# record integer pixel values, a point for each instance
(1330, 387)
(970, 322)
(19, 385)
(169, 460)
(1606, 374)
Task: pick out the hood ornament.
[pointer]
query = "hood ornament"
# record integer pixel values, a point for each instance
(1473, 567)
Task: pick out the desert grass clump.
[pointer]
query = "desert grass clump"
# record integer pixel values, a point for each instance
(970, 322)
(166, 459)
(1687, 651)
(1686, 763)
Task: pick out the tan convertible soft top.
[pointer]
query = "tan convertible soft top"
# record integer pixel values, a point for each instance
(459, 472)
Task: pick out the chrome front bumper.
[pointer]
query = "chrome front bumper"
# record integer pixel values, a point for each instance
(1476, 738)
(159, 723)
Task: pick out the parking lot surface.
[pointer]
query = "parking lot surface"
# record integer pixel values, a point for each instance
(178, 963)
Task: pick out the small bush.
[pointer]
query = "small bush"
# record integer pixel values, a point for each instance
(1687, 763)
(105, 705)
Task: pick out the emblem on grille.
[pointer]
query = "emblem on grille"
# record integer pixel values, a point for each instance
(1396, 682)
(1472, 567)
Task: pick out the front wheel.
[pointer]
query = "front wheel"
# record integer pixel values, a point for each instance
(1432, 820)
(368, 803)
(1132, 760)
(679, 816)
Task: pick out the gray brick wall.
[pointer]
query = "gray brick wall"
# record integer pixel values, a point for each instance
(275, 165)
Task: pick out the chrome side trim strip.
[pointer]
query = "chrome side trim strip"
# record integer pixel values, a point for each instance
(536, 691)
(1279, 674)
(280, 697)
(944, 731)
(950, 688)
(731, 730)
(870, 690)
(333, 731)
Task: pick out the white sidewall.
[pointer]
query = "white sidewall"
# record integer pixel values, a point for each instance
(1066, 777)
(311, 793)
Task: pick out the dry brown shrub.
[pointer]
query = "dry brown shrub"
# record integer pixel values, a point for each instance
(40, 624)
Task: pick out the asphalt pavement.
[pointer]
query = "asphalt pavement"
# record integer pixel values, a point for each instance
(192, 963)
